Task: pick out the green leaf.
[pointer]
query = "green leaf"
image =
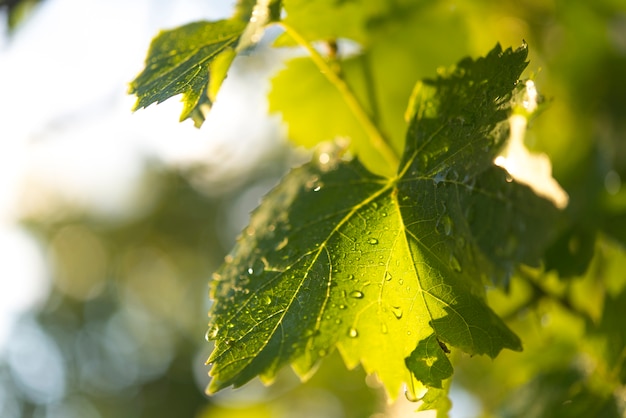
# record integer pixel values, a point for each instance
(381, 77)
(322, 113)
(559, 394)
(437, 399)
(180, 62)
(381, 268)
(429, 362)
(331, 19)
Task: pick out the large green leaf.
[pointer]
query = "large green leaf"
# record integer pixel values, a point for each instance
(385, 269)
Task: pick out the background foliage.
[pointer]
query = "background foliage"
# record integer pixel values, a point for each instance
(124, 310)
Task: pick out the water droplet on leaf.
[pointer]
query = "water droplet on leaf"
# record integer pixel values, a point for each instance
(353, 333)
(372, 241)
(357, 294)
(439, 177)
(388, 276)
(397, 311)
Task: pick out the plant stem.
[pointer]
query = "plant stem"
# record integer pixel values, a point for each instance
(374, 134)
(369, 86)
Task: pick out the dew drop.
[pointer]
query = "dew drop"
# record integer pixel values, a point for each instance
(353, 333)
(454, 263)
(439, 177)
(267, 300)
(350, 276)
(250, 270)
(357, 294)
(372, 241)
(322, 352)
(397, 311)
(342, 306)
(388, 276)
(211, 334)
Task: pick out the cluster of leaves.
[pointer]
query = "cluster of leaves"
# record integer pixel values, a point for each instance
(382, 248)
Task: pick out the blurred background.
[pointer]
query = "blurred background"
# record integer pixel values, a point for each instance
(112, 223)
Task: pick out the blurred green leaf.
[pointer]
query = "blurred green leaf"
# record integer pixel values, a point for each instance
(381, 74)
(559, 394)
(429, 362)
(323, 20)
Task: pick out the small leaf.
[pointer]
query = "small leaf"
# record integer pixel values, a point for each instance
(179, 62)
(382, 268)
(429, 362)
(437, 399)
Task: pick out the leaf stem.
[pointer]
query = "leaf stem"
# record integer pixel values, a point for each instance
(374, 134)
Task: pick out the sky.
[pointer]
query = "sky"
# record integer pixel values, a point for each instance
(68, 136)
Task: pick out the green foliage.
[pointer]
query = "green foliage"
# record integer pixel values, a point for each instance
(179, 62)
(380, 267)
(382, 247)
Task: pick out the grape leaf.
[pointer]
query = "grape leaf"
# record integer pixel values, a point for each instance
(179, 62)
(193, 59)
(381, 268)
(437, 399)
